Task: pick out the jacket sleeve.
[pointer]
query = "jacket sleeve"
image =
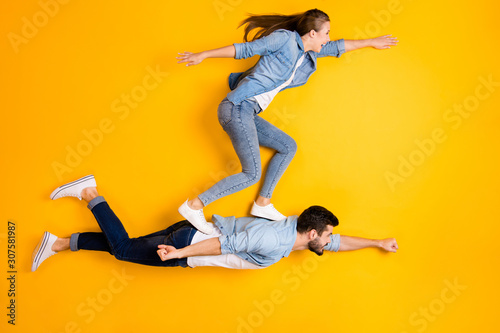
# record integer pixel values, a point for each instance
(334, 244)
(262, 46)
(332, 49)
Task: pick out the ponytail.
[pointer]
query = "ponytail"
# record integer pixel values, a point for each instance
(302, 23)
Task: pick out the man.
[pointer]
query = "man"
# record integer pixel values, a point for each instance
(243, 243)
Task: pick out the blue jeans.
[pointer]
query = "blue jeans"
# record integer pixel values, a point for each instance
(247, 132)
(115, 240)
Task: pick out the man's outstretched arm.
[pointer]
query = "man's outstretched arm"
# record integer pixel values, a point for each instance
(348, 243)
(208, 247)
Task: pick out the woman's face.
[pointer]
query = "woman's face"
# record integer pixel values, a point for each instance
(321, 37)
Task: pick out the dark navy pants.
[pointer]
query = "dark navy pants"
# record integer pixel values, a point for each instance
(141, 250)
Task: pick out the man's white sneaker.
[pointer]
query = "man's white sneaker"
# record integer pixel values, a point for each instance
(267, 212)
(196, 218)
(73, 189)
(43, 250)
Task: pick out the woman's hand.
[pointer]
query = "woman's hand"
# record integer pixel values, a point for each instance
(383, 42)
(190, 58)
(166, 252)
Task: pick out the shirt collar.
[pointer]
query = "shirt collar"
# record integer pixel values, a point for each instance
(299, 40)
(293, 224)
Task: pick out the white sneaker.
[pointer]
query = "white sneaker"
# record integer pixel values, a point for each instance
(267, 212)
(43, 250)
(73, 189)
(196, 218)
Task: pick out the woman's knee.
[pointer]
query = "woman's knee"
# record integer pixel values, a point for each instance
(290, 146)
(253, 175)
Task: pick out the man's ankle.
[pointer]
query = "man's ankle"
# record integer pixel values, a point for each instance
(89, 193)
(61, 244)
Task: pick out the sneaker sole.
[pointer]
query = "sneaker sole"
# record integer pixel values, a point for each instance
(41, 248)
(266, 217)
(65, 186)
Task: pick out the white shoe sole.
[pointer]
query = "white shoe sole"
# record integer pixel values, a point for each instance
(259, 211)
(73, 183)
(43, 250)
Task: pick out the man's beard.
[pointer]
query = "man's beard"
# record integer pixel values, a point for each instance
(315, 246)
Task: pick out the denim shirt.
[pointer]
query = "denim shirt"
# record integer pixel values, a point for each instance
(260, 241)
(279, 53)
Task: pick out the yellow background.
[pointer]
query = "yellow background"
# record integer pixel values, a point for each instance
(355, 122)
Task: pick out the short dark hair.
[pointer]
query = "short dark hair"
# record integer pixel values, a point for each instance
(317, 218)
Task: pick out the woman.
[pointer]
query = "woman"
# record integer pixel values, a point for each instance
(289, 46)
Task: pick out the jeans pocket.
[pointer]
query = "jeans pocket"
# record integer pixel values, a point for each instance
(252, 104)
(224, 112)
(258, 109)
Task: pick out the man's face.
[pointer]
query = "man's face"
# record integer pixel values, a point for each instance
(317, 244)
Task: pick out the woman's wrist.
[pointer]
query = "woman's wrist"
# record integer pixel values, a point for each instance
(370, 42)
(203, 55)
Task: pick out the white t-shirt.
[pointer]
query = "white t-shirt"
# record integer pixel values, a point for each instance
(265, 99)
(223, 260)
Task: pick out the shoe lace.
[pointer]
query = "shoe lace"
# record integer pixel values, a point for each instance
(204, 225)
(198, 211)
(202, 216)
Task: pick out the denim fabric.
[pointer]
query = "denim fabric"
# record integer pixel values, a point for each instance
(260, 241)
(279, 53)
(334, 244)
(94, 202)
(257, 240)
(247, 132)
(73, 241)
(142, 250)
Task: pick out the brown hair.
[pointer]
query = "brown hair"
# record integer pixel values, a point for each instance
(304, 22)
(317, 218)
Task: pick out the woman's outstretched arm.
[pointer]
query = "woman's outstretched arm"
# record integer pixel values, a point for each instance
(195, 58)
(382, 42)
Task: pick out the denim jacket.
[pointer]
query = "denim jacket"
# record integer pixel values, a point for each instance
(260, 241)
(279, 53)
